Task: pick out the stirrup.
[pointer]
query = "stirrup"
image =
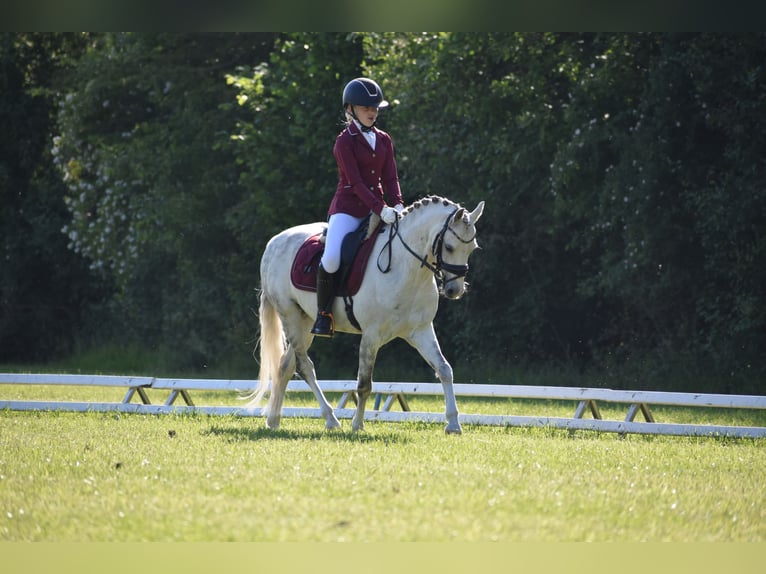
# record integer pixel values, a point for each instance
(321, 327)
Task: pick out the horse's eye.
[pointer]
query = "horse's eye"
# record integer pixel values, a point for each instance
(449, 248)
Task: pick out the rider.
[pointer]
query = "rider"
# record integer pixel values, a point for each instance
(366, 173)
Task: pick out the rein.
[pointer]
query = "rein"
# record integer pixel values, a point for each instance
(436, 250)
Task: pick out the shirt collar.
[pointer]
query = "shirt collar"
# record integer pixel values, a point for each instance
(358, 128)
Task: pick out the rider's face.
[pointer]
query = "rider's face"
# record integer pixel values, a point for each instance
(366, 115)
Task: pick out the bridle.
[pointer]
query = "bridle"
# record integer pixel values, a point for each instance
(436, 250)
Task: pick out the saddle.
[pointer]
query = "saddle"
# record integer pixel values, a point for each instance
(355, 252)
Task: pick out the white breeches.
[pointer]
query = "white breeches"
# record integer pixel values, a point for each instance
(339, 225)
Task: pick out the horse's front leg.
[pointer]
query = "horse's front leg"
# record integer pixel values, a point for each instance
(426, 343)
(368, 352)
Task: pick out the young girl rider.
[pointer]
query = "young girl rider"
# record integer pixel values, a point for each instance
(366, 174)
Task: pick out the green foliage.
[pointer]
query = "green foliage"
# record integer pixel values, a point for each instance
(620, 175)
(144, 147)
(623, 232)
(672, 208)
(44, 287)
(284, 143)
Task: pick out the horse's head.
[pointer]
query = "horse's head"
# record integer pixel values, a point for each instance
(452, 237)
(452, 248)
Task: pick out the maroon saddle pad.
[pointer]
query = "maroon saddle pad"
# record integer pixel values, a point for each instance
(304, 270)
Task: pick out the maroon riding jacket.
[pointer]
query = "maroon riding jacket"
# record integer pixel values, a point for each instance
(364, 174)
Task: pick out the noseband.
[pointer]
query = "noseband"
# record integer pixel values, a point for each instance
(436, 250)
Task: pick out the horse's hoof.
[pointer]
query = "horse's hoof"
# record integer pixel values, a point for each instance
(332, 424)
(453, 429)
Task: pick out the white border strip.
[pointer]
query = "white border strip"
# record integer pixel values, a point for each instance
(347, 386)
(601, 425)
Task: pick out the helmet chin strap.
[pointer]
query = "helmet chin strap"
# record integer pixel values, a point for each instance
(363, 127)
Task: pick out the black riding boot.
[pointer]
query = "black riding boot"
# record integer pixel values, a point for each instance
(324, 326)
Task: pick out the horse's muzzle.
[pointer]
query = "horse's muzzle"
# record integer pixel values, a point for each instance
(454, 289)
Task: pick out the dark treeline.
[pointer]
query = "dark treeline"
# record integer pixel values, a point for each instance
(623, 237)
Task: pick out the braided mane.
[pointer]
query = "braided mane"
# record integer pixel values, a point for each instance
(428, 200)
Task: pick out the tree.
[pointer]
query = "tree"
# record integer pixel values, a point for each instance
(145, 151)
(619, 171)
(670, 222)
(44, 287)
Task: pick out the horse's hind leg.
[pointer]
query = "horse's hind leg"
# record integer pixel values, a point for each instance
(306, 370)
(305, 367)
(427, 345)
(278, 388)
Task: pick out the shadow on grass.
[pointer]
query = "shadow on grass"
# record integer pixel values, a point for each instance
(238, 434)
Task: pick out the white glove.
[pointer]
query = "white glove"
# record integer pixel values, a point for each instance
(399, 208)
(388, 215)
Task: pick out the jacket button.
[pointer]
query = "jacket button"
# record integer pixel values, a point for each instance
(372, 171)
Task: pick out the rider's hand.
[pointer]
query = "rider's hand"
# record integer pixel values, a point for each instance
(388, 215)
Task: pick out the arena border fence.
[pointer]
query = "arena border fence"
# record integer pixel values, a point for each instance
(586, 401)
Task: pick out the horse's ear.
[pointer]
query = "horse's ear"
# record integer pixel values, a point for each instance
(476, 214)
(458, 215)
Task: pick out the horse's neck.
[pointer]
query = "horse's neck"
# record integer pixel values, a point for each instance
(419, 227)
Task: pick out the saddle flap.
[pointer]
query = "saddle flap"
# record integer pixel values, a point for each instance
(355, 252)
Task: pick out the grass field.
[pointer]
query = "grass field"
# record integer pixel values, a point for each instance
(112, 477)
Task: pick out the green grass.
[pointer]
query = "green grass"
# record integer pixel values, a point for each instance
(113, 477)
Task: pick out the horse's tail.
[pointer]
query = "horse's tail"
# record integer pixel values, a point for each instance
(272, 345)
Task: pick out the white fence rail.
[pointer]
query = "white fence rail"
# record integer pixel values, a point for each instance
(587, 400)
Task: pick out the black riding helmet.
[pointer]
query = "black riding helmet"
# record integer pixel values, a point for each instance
(363, 92)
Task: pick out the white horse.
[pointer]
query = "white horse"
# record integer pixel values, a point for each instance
(398, 298)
